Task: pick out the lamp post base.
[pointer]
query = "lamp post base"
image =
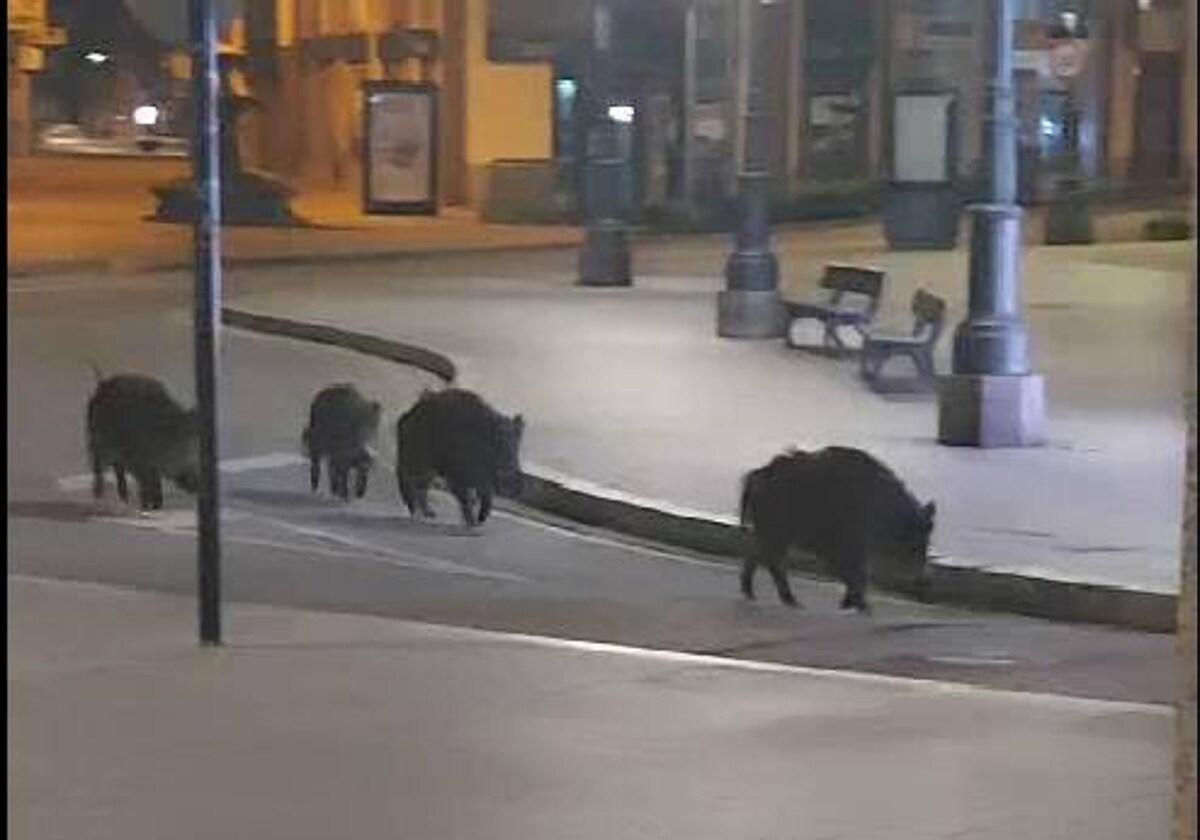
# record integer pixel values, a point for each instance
(743, 313)
(1069, 220)
(604, 260)
(992, 412)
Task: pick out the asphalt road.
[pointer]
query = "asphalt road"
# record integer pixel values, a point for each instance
(521, 572)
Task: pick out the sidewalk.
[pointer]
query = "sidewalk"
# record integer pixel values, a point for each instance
(68, 215)
(316, 725)
(631, 396)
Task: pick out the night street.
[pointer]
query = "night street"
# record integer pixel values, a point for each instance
(520, 572)
(891, 301)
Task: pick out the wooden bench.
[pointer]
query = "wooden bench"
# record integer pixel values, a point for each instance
(850, 298)
(929, 316)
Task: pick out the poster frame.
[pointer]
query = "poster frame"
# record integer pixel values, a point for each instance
(372, 204)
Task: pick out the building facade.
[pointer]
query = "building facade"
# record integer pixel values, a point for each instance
(1110, 97)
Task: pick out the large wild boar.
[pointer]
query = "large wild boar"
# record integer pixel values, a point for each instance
(135, 426)
(456, 435)
(840, 505)
(341, 423)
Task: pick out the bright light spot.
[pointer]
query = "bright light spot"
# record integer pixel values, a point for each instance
(565, 88)
(1145, 5)
(96, 57)
(1049, 129)
(620, 113)
(145, 115)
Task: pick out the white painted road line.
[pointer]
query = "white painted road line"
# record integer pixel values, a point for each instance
(232, 466)
(182, 523)
(404, 559)
(632, 548)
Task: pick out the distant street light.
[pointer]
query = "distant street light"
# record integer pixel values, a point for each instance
(96, 57)
(145, 116)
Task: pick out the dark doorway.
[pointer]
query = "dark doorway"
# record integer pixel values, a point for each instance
(1156, 118)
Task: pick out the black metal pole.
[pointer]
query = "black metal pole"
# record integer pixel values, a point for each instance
(207, 236)
(749, 307)
(604, 258)
(993, 339)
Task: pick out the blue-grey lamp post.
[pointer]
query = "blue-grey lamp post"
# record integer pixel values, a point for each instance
(604, 257)
(992, 398)
(749, 306)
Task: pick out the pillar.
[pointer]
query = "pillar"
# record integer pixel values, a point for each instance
(992, 398)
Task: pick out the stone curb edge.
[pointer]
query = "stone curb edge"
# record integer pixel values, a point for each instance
(137, 266)
(974, 588)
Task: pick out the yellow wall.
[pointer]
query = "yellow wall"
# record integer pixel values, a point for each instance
(509, 109)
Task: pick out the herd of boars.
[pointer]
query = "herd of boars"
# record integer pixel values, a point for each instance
(840, 504)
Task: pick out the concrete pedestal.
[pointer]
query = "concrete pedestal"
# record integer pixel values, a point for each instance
(743, 313)
(604, 259)
(991, 412)
(1069, 220)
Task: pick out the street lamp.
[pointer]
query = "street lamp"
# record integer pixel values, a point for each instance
(749, 306)
(604, 258)
(992, 398)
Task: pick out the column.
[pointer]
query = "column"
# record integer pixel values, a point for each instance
(992, 398)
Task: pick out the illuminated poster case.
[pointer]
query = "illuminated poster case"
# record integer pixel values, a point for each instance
(400, 155)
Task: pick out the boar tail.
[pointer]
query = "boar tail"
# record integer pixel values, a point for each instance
(748, 485)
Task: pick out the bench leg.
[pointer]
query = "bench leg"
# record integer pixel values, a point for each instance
(871, 362)
(787, 333)
(923, 359)
(833, 341)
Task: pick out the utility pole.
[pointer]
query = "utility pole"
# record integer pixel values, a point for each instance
(207, 309)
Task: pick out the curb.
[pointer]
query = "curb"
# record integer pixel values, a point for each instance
(136, 266)
(587, 504)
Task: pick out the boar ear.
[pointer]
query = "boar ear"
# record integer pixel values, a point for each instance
(929, 511)
(519, 424)
(376, 409)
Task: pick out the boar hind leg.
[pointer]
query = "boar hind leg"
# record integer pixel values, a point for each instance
(856, 584)
(485, 504)
(749, 567)
(774, 557)
(407, 494)
(122, 482)
(314, 472)
(97, 476)
(150, 490)
(421, 496)
(360, 480)
(466, 503)
(339, 479)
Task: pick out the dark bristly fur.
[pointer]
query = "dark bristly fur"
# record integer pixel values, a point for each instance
(456, 435)
(135, 426)
(341, 422)
(839, 504)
